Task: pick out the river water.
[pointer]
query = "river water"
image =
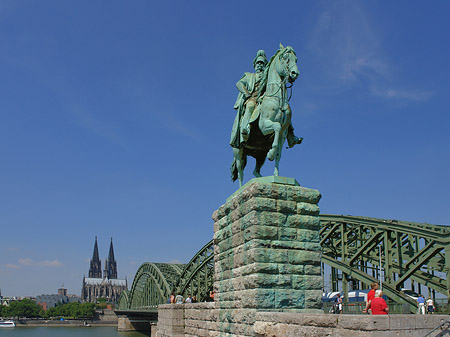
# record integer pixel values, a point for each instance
(66, 332)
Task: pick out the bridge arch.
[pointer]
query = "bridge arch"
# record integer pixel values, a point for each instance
(197, 278)
(152, 285)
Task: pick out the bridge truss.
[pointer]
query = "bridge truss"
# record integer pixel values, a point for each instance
(360, 248)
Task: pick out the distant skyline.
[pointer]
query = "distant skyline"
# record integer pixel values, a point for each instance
(115, 121)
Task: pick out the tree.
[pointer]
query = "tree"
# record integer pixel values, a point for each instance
(24, 308)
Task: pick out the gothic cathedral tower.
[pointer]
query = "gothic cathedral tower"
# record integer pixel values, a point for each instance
(95, 270)
(111, 264)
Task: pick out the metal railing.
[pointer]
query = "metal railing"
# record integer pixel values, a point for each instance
(442, 306)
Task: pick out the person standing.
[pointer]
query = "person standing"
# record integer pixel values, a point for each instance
(430, 306)
(179, 299)
(172, 298)
(339, 303)
(370, 296)
(378, 304)
(421, 305)
(188, 299)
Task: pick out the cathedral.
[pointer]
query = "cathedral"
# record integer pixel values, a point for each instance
(107, 286)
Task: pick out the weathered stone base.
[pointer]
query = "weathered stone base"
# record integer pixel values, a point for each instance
(124, 324)
(267, 248)
(203, 320)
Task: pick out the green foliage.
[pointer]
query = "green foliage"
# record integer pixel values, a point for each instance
(101, 305)
(72, 310)
(23, 308)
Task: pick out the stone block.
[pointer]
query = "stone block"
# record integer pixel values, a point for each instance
(268, 255)
(261, 232)
(308, 235)
(364, 322)
(287, 234)
(397, 322)
(303, 222)
(272, 219)
(289, 298)
(302, 282)
(286, 206)
(303, 257)
(305, 208)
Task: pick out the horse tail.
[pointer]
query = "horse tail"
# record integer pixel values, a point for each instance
(234, 171)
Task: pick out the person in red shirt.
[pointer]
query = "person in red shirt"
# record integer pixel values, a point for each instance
(371, 295)
(378, 305)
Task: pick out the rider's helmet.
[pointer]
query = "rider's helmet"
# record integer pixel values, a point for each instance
(260, 56)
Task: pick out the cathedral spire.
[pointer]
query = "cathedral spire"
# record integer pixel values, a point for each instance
(95, 270)
(111, 267)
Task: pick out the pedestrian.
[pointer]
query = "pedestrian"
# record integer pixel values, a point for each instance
(370, 296)
(188, 299)
(172, 298)
(339, 303)
(378, 304)
(421, 305)
(194, 299)
(179, 299)
(430, 306)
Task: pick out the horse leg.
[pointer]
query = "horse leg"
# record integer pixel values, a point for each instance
(278, 155)
(268, 127)
(259, 163)
(241, 160)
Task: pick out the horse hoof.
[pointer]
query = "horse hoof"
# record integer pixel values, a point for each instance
(257, 174)
(271, 154)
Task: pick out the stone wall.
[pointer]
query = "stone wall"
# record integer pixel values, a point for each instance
(202, 320)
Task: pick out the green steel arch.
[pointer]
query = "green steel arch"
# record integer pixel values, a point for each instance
(410, 251)
(197, 278)
(124, 300)
(151, 286)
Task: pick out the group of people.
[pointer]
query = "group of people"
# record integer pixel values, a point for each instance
(375, 303)
(179, 299)
(425, 306)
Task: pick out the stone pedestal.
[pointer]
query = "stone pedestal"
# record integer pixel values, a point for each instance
(267, 250)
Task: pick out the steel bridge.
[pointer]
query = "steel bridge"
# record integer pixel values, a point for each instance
(356, 249)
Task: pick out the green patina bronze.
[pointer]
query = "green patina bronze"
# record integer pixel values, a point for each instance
(263, 119)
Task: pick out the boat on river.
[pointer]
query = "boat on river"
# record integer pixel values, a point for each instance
(7, 324)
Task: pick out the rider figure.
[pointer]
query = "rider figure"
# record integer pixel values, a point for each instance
(249, 92)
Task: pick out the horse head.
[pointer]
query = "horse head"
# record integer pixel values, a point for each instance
(287, 64)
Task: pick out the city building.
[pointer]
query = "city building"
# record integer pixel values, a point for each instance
(50, 301)
(108, 286)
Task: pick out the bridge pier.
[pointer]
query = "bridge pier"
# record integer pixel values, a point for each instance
(144, 322)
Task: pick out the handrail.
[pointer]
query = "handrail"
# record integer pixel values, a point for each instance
(446, 322)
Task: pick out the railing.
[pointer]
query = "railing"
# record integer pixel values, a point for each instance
(440, 326)
(356, 308)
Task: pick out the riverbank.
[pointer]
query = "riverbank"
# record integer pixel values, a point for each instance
(66, 323)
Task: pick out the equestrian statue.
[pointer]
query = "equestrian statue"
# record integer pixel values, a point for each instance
(263, 118)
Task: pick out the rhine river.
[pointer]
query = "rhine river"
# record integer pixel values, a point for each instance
(66, 332)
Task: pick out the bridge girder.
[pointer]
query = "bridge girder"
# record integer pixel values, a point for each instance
(354, 245)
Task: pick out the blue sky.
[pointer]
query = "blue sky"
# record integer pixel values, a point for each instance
(115, 119)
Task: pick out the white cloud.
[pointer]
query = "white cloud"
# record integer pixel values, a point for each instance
(351, 49)
(12, 266)
(398, 93)
(175, 262)
(45, 263)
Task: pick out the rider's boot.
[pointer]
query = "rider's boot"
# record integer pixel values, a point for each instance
(245, 133)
